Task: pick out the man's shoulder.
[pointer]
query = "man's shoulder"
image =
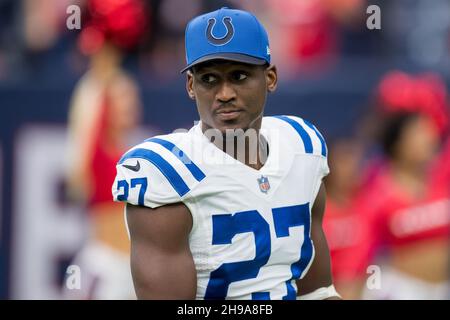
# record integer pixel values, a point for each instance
(166, 159)
(297, 131)
(173, 142)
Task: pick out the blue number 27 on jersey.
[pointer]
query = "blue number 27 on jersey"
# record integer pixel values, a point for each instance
(226, 226)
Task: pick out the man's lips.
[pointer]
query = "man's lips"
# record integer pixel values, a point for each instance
(228, 113)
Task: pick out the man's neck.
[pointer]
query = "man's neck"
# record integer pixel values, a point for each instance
(248, 147)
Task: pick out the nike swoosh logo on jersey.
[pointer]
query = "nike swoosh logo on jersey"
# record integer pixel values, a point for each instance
(135, 168)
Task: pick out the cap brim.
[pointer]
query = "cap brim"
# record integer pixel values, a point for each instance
(227, 56)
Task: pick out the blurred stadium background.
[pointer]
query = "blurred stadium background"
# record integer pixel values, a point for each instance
(330, 66)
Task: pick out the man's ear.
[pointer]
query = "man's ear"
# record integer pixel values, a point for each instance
(271, 78)
(190, 84)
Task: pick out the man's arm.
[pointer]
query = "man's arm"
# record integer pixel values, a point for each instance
(319, 274)
(161, 261)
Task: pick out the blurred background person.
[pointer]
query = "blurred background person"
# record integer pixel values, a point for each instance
(343, 227)
(406, 213)
(103, 118)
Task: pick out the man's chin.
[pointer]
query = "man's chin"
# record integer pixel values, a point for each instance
(235, 124)
(227, 129)
(233, 129)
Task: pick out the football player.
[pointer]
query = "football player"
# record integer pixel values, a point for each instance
(233, 208)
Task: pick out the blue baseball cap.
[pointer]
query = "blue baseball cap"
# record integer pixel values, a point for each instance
(226, 34)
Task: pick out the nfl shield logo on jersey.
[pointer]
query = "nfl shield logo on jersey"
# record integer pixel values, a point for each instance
(264, 184)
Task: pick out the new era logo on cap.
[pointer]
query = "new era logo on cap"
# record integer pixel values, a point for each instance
(226, 34)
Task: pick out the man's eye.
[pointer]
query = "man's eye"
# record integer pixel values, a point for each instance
(239, 76)
(208, 78)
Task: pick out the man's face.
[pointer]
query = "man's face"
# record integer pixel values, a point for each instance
(230, 95)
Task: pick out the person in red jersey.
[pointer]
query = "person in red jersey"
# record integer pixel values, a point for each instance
(343, 228)
(103, 119)
(407, 213)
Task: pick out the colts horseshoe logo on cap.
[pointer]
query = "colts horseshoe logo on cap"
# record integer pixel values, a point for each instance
(222, 40)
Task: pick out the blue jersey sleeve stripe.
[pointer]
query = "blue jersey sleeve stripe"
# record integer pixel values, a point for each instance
(191, 166)
(319, 135)
(301, 132)
(166, 169)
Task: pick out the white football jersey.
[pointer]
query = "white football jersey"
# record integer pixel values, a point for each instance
(250, 237)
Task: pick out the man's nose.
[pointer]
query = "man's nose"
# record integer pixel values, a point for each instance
(226, 92)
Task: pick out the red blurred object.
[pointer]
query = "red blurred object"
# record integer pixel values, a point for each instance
(309, 24)
(426, 94)
(441, 169)
(121, 22)
(105, 156)
(390, 219)
(346, 233)
(397, 218)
